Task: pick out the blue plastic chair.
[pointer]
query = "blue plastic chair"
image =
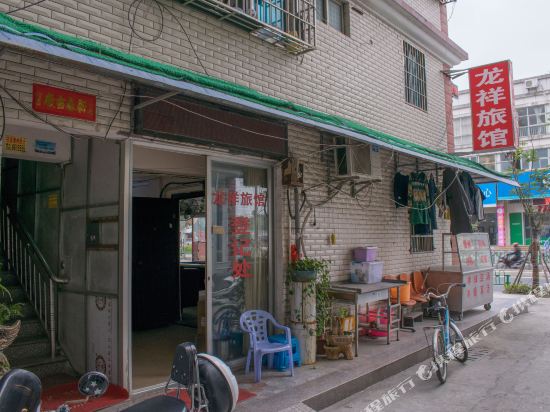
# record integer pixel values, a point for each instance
(255, 323)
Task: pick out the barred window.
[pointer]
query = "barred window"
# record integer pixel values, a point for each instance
(415, 77)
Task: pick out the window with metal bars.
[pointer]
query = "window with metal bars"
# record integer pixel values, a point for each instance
(415, 77)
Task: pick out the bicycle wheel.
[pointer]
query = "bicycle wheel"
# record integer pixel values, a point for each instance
(458, 345)
(440, 358)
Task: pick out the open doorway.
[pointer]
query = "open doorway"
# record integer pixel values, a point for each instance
(168, 260)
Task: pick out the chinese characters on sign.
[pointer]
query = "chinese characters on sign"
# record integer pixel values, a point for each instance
(491, 96)
(501, 226)
(61, 102)
(240, 236)
(15, 144)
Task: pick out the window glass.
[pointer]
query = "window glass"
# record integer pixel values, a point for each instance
(415, 77)
(320, 9)
(532, 120)
(335, 15)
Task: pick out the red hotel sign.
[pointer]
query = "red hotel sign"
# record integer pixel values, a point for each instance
(491, 97)
(61, 102)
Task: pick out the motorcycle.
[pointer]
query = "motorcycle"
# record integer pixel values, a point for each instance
(210, 385)
(505, 263)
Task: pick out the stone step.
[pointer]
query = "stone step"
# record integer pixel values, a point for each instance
(44, 366)
(28, 347)
(16, 295)
(8, 278)
(31, 328)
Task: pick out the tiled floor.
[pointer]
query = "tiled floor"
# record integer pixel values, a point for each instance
(153, 352)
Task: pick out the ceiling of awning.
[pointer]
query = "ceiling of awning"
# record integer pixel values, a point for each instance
(29, 37)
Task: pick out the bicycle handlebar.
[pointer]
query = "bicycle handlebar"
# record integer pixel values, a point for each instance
(444, 295)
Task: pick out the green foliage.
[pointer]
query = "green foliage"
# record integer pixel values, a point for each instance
(9, 312)
(520, 289)
(318, 288)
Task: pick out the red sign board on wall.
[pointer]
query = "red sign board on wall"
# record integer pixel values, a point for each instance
(491, 98)
(61, 102)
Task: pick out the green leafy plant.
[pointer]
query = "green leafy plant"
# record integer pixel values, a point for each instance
(9, 312)
(520, 289)
(318, 288)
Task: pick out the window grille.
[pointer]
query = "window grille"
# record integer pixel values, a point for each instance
(415, 77)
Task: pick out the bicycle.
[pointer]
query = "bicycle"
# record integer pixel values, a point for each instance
(448, 341)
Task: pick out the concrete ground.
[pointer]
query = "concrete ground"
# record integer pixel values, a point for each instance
(508, 371)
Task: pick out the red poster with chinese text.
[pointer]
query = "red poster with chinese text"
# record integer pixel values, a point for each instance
(491, 98)
(61, 102)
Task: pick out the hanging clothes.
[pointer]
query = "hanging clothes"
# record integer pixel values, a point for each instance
(418, 199)
(432, 195)
(469, 188)
(456, 199)
(400, 189)
(479, 198)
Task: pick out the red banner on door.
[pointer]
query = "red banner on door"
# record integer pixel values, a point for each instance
(491, 97)
(61, 102)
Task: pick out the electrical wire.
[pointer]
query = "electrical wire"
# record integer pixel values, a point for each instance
(26, 7)
(452, 12)
(132, 20)
(186, 35)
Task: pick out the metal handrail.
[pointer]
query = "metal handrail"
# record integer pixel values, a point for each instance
(33, 272)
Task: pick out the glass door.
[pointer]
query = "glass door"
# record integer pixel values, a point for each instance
(239, 258)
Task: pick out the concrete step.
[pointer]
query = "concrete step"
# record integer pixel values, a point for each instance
(8, 278)
(28, 347)
(31, 328)
(44, 366)
(16, 295)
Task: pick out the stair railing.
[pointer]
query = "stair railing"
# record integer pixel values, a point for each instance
(33, 272)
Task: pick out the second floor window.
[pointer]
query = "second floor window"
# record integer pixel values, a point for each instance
(333, 12)
(542, 160)
(415, 77)
(532, 121)
(463, 132)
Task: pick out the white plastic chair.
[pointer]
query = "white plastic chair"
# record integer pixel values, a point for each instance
(255, 323)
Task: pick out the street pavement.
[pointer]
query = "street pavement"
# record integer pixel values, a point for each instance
(508, 370)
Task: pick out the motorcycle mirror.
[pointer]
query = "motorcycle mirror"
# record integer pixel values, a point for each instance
(93, 384)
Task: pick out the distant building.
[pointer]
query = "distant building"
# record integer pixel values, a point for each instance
(532, 102)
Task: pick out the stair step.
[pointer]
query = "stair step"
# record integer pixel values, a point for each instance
(44, 366)
(31, 328)
(8, 278)
(28, 347)
(16, 295)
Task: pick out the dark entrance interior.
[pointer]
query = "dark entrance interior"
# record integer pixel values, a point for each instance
(168, 260)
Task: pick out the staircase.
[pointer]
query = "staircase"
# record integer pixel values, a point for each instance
(31, 350)
(31, 282)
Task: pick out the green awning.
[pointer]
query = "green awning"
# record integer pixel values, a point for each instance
(20, 35)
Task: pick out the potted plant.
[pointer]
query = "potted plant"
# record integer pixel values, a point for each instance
(9, 325)
(316, 288)
(305, 269)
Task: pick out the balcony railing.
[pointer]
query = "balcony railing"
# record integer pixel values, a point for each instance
(289, 24)
(538, 130)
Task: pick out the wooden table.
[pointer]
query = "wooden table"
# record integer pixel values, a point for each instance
(358, 294)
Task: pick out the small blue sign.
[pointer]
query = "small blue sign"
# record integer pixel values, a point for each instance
(489, 190)
(45, 147)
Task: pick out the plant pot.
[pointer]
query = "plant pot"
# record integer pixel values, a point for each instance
(8, 334)
(304, 275)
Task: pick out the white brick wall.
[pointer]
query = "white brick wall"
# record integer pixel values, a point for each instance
(360, 77)
(377, 222)
(429, 9)
(18, 73)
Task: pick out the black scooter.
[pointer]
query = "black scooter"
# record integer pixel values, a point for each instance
(505, 263)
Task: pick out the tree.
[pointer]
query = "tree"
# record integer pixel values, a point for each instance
(533, 185)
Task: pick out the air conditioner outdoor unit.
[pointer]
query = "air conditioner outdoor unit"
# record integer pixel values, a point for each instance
(531, 83)
(357, 160)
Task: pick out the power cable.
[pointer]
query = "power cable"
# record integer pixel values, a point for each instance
(26, 7)
(132, 20)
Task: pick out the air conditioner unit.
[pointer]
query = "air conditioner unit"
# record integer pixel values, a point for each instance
(531, 83)
(357, 160)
